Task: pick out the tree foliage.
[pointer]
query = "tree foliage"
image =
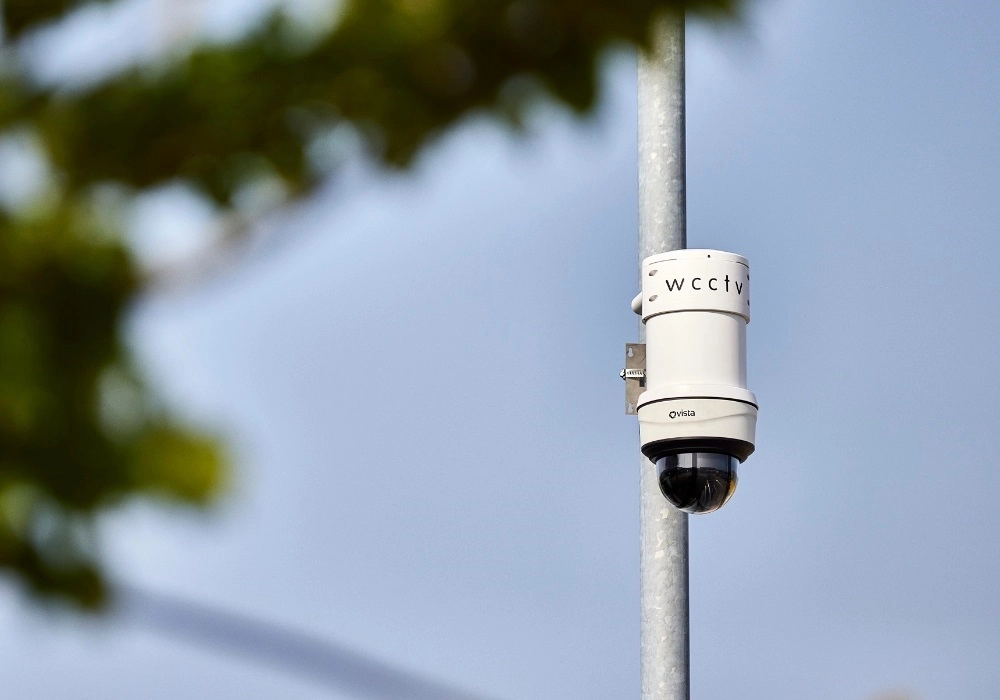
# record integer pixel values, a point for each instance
(79, 431)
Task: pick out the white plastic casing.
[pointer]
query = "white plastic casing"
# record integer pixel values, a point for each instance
(696, 307)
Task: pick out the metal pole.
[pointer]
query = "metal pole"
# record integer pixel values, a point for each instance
(665, 650)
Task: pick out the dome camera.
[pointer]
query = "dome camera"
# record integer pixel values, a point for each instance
(697, 419)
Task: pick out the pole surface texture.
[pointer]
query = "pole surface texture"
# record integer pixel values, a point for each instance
(665, 651)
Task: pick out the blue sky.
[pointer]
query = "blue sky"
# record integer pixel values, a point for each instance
(421, 387)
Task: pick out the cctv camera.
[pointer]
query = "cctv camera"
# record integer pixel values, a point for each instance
(697, 419)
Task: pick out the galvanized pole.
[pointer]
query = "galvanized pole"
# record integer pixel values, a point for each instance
(665, 651)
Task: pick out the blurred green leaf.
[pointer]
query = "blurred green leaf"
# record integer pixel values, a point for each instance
(401, 71)
(64, 286)
(20, 15)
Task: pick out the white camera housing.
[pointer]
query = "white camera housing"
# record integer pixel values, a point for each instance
(697, 419)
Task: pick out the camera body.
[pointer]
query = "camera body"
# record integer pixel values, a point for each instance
(697, 419)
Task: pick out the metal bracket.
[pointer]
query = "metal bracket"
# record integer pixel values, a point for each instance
(634, 375)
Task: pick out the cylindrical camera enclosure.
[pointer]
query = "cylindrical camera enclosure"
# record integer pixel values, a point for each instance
(696, 307)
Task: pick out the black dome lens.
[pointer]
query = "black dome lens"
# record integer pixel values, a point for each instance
(697, 482)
